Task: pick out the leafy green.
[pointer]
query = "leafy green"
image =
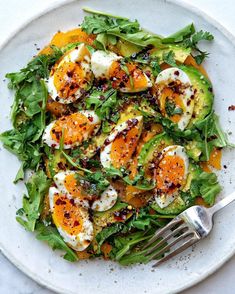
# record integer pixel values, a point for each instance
(143, 220)
(128, 249)
(180, 35)
(139, 181)
(30, 91)
(171, 108)
(37, 187)
(28, 111)
(193, 43)
(93, 183)
(106, 233)
(90, 10)
(53, 238)
(21, 142)
(212, 135)
(189, 39)
(169, 58)
(104, 102)
(206, 186)
(108, 29)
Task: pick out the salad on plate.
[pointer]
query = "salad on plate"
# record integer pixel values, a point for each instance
(116, 125)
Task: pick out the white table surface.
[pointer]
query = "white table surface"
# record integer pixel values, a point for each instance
(14, 13)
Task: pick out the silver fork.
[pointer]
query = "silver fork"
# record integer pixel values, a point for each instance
(192, 225)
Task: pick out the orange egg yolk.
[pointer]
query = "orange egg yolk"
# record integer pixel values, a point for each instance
(72, 186)
(132, 78)
(67, 215)
(70, 76)
(62, 39)
(75, 128)
(123, 147)
(168, 94)
(170, 174)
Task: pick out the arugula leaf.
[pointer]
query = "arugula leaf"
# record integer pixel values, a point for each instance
(113, 172)
(94, 183)
(118, 28)
(169, 58)
(37, 187)
(144, 221)
(29, 89)
(103, 235)
(171, 108)
(53, 238)
(21, 142)
(193, 41)
(104, 102)
(90, 10)
(206, 186)
(180, 35)
(28, 111)
(139, 181)
(212, 135)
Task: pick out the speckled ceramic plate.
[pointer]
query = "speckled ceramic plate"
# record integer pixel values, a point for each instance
(35, 258)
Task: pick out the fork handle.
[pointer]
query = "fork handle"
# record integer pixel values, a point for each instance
(222, 203)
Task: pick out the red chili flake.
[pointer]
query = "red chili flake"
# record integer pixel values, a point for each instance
(71, 201)
(76, 223)
(67, 215)
(60, 202)
(90, 118)
(231, 107)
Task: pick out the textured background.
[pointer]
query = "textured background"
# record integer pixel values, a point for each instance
(14, 13)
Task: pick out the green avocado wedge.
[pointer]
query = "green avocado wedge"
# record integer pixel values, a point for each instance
(156, 144)
(180, 53)
(204, 97)
(176, 207)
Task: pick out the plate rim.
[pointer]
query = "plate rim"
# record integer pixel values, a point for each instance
(194, 280)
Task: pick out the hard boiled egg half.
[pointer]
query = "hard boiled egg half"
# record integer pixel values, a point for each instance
(121, 143)
(71, 76)
(171, 174)
(71, 220)
(75, 128)
(175, 96)
(125, 77)
(68, 184)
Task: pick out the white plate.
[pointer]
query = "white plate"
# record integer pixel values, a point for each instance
(35, 258)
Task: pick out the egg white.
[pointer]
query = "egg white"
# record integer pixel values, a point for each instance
(50, 142)
(105, 152)
(169, 75)
(59, 179)
(72, 56)
(101, 62)
(106, 201)
(163, 200)
(80, 241)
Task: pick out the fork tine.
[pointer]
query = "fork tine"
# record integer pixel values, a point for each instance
(158, 233)
(178, 250)
(171, 234)
(169, 245)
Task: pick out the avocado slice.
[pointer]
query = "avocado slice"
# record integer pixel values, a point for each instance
(204, 97)
(156, 144)
(176, 207)
(180, 52)
(193, 149)
(194, 171)
(126, 48)
(54, 163)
